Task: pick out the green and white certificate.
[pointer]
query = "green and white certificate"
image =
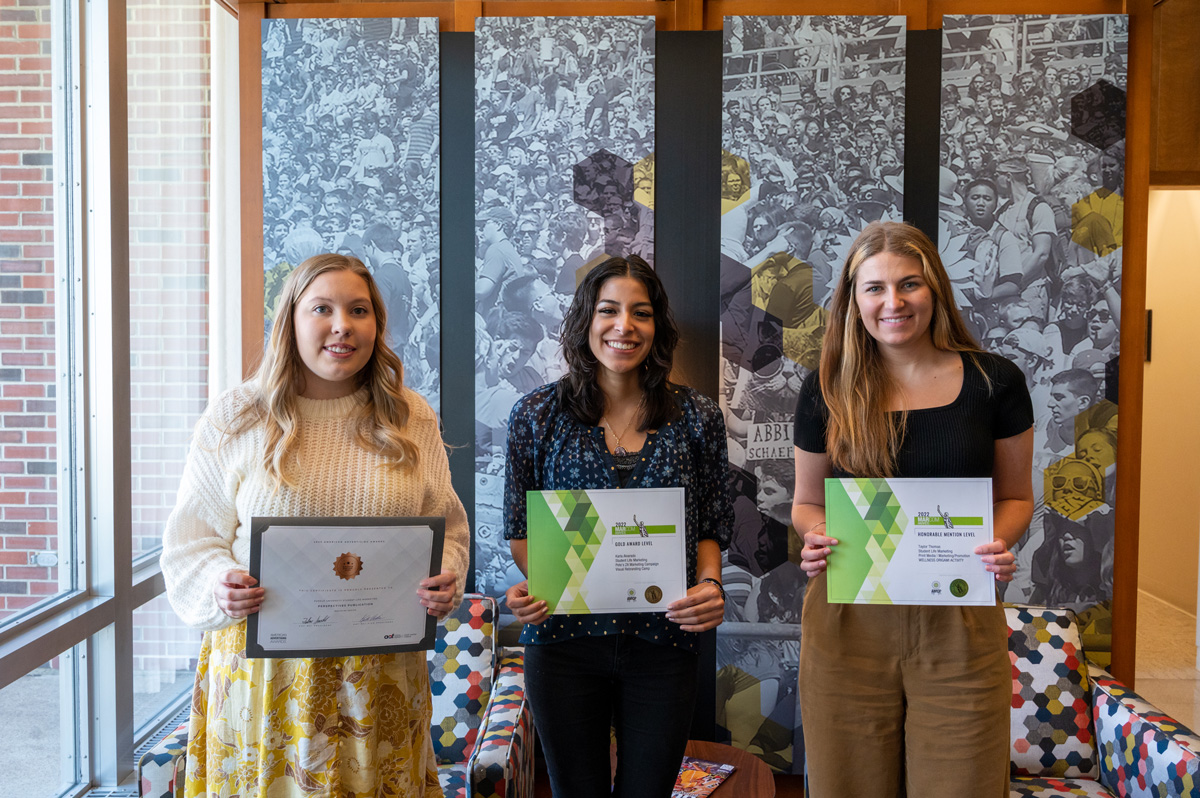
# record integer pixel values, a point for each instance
(909, 541)
(594, 551)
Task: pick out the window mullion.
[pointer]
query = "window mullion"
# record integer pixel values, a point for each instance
(108, 539)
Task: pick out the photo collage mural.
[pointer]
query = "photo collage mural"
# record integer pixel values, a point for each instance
(813, 151)
(564, 177)
(1030, 205)
(1030, 212)
(351, 146)
(1030, 185)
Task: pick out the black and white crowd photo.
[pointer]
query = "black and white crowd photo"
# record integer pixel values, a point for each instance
(351, 162)
(564, 176)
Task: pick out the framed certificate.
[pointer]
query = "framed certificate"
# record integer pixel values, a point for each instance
(608, 550)
(909, 541)
(342, 586)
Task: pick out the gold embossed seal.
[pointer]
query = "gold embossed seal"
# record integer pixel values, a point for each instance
(348, 566)
(654, 594)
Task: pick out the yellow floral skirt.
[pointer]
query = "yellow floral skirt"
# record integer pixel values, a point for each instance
(338, 727)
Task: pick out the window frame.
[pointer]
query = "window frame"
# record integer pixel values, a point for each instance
(89, 625)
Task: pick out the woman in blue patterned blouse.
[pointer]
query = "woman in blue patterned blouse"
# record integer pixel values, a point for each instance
(615, 421)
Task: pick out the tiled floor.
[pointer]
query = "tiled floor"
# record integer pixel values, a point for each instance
(1166, 659)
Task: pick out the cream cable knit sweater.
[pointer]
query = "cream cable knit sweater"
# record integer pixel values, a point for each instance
(208, 533)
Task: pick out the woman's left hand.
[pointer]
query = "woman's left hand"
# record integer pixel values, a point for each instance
(700, 610)
(998, 559)
(437, 593)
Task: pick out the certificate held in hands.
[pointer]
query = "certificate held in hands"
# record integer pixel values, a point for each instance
(342, 586)
(909, 541)
(606, 550)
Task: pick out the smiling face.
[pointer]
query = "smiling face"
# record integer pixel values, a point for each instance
(334, 322)
(622, 328)
(894, 300)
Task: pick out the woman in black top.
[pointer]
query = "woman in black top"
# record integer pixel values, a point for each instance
(900, 700)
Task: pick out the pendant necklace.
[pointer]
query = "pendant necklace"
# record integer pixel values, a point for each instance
(620, 450)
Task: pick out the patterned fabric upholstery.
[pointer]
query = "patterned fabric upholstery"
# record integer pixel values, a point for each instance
(1023, 787)
(1142, 751)
(1051, 716)
(160, 770)
(460, 675)
(502, 765)
(453, 780)
(479, 714)
(1061, 716)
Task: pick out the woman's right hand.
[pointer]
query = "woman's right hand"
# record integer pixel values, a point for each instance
(525, 607)
(237, 595)
(814, 556)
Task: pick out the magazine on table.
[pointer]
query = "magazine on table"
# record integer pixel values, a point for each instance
(698, 777)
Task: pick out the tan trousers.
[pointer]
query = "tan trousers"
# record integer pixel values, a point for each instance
(902, 700)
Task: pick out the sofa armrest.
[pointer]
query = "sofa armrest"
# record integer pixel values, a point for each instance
(501, 766)
(1142, 751)
(161, 769)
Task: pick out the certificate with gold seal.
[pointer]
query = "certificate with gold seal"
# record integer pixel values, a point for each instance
(607, 550)
(342, 586)
(909, 541)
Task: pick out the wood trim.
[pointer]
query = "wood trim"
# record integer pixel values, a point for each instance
(1175, 179)
(1133, 338)
(250, 109)
(465, 13)
(230, 6)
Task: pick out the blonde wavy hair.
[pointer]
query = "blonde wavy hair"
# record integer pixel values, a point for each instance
(863, 437)
(379, 425)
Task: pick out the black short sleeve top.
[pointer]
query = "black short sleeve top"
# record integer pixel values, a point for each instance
(955, 440)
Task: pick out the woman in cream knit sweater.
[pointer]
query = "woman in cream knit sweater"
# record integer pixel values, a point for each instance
(326, 428)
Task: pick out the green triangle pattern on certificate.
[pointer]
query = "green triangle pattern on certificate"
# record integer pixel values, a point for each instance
(868, 517)
(569, 535)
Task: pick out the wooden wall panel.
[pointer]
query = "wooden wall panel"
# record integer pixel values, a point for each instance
(1175, 114)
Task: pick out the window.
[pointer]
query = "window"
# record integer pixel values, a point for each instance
(105, 364)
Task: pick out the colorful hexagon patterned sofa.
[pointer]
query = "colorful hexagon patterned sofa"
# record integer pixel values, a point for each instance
(482, 730)
(1077, 731)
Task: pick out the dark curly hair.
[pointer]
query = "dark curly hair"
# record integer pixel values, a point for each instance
(578, 391)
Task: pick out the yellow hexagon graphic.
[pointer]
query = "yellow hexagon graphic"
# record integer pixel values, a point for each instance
(1073, 487)
(643, 182)
(1097, 221)
(782, 286)
(735, 181)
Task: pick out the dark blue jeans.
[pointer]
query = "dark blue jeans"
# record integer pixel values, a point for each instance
(579, 688)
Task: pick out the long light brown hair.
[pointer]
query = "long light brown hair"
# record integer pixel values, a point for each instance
(379, 425)
(863, 437)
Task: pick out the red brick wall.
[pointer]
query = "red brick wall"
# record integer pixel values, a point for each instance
(28, 486)
(168, 163)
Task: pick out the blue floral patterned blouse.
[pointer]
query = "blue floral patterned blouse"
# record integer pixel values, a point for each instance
(549, 450)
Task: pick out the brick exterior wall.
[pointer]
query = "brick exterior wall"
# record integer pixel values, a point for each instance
(169, 103)
(28, 485)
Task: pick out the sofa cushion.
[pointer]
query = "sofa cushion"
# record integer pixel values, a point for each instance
(461, 668)
(453, 780)
(1051, 729)
(1025, 787)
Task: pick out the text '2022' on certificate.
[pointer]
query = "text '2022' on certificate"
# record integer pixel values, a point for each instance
(342, 586)
(606, 550)
(909, 541)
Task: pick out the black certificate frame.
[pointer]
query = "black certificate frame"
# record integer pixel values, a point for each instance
(259, 525)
